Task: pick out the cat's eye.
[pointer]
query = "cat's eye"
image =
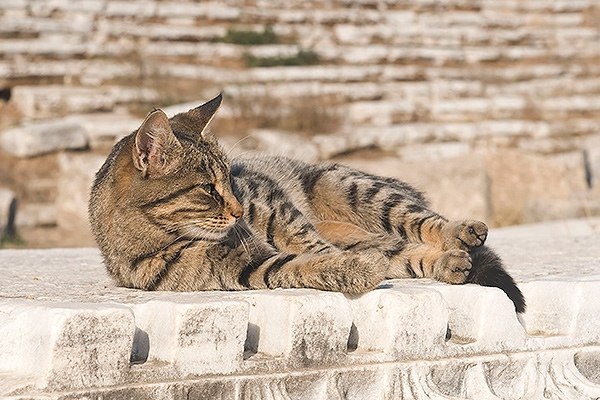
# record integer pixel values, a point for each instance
(208, 188)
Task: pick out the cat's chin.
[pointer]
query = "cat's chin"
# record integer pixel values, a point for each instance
(196, 233)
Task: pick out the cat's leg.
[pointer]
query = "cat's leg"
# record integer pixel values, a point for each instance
(386, 205)
(169, 269)
(343, 271)
(404, 259)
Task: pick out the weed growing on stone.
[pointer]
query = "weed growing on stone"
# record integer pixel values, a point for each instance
(250, 38)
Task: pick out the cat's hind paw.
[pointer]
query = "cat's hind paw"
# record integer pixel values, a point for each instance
(453, 266)
(464, 235)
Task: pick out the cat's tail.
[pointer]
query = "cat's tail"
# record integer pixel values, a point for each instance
(488, 270)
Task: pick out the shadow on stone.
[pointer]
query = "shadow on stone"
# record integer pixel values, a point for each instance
(252, 338)
(140, 348)
(352, 339)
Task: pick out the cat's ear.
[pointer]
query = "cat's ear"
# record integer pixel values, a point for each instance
(155, 146)
(202, 115)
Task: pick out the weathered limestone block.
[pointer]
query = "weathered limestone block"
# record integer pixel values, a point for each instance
(460, 109)
(43, 137)
(529, 188)
(36, 214)
(304, 327)
(105, 129)
(200, 337)
(274, 50)
(403, 323)
(474, 328)
(210, 11)
(73, 190)
(198, 51)
(449, 151)
(51, 341)
(138, 9)
(50, 101)
(563, 311)
(38, 102)
(379, 113)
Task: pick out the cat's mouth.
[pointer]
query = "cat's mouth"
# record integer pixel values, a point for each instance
(212, 233)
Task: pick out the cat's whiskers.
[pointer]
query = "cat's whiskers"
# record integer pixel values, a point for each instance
(235, 145)
(242, 241)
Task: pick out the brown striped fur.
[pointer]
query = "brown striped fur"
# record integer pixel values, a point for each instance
(170, 212)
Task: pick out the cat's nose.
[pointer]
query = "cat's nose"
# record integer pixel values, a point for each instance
(236, 211)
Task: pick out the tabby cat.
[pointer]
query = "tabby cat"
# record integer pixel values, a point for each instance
(170, 212)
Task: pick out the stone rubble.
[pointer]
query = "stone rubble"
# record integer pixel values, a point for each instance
(408, 339)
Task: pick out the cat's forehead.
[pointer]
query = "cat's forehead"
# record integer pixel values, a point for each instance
(207, 160)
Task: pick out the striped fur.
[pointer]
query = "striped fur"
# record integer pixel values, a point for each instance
(170, 212)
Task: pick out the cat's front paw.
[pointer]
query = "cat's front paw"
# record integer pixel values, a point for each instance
(464, 234)
(453, 266)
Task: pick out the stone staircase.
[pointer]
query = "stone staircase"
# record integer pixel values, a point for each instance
(467, 84)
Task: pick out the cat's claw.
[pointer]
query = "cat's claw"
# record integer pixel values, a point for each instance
(453, 266)
(464, 235)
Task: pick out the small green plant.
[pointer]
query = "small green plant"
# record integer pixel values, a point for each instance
(250, 38)
(303, 57)
(10, 240)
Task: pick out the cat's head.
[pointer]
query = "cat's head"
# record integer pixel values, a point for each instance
(182, 178)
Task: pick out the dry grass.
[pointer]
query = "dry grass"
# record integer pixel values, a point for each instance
(306, 114)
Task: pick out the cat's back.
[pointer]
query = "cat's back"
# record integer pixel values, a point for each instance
(294, 177)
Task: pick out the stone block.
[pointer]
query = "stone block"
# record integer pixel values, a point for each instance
(402, 323)
(197, 338)
(138, 9)
(529, 188)
(98, 72)
(364, 55)
(73, 190)
(482, 320)
(304, 327)
(36, 215)
(435, 152)
(379, 113)
(274, 50)
(209, 10)
(197, 51)
(51, 341)
(43, 137)
(105, 129)
(552, 308)
(460, 109)
(50, 101)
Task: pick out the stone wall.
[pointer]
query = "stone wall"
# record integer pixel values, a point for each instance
(491, 107)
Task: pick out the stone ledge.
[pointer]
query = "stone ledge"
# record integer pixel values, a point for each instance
(67, 332)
